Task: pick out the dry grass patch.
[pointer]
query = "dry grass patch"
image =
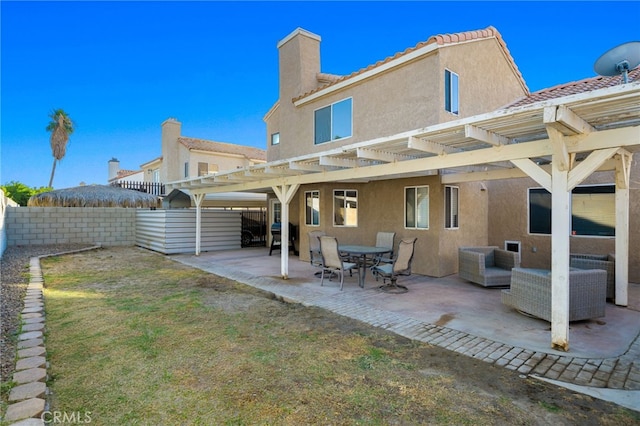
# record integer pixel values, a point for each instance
(135, 338)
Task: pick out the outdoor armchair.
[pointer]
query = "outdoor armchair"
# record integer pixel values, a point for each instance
(598, 261)
(401, 265)
(332, 261)
(488, 266)
(530, 293)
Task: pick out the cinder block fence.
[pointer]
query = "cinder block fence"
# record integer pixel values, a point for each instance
(165, 231)
(110, 226)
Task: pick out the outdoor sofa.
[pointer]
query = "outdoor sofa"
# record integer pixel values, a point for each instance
(530, 293)
(597, 261)
(488, 266)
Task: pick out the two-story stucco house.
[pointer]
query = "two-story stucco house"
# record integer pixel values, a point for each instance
(444, 142)
(445, 78)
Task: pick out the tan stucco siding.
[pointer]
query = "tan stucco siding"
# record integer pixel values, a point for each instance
(473, 226)
(273, 126)
(486, 79)
(508, 220)
(381, 208)
(406, 97)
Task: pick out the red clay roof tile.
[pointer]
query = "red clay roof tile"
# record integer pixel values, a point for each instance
(574, 87)
(223, 147)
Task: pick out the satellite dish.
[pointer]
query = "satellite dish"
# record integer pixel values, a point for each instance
(619, 60)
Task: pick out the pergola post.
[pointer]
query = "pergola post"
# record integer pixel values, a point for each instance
(560, 226)
(198, 198)
(284, 193)
(623, 170)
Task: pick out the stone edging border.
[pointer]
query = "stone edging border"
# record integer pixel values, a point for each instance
(29, 399)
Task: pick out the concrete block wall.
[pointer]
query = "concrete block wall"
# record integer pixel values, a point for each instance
(109, 226)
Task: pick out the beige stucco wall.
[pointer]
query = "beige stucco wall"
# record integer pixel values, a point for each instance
(508, 220)
(381, 208)
(486, 79)
(403, 98)
(407, 97)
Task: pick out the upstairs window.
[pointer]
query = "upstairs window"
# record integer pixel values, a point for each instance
(186, 169)
(345, 207)
(275, 138)
(203, 169)
(312, 208)
(333, 122)
(451, 92)
(416, 212)
(451, 207)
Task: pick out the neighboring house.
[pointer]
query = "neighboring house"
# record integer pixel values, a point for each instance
(184, 158)
(446, 78)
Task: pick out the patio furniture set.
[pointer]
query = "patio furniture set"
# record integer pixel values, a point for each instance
(591, 281)
(332, 258)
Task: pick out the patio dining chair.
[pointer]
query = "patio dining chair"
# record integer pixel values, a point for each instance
(384, 239)
(332, 261)
(401, 266)
(315, 255)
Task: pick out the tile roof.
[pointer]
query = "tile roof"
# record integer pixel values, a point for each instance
(574, 87)
(223, 147)
(440, 40)
(124, 173)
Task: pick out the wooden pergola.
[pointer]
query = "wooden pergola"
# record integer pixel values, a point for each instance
(558, 143)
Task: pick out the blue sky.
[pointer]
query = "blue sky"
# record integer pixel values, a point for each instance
(121, 68)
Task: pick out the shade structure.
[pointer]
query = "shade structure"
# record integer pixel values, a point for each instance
(94, 196)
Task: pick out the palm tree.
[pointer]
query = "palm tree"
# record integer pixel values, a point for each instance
(60, 127)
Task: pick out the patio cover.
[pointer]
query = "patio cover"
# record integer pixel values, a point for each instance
(557, 142)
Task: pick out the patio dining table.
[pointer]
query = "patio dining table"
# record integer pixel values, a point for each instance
(361, 253)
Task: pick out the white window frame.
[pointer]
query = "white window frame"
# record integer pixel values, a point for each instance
(415, 207)
(186, 169)
(346, 224)
(331, 122)
(313, 195)
(449, 205)
(451, 92)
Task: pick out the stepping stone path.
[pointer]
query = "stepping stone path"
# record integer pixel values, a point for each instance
(27, 400)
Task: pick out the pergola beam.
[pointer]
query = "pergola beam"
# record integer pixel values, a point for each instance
(534, 171)
(511, 173)
(343, 162)
(431, 147)
(306, 167)
(482, 135)
(378, 155)
(564, 120)
(619, 137)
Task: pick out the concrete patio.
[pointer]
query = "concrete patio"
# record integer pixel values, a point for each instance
(604, 353)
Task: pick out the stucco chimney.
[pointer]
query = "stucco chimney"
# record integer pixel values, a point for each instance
(299, 62)
(114, 168)
(170, 168)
